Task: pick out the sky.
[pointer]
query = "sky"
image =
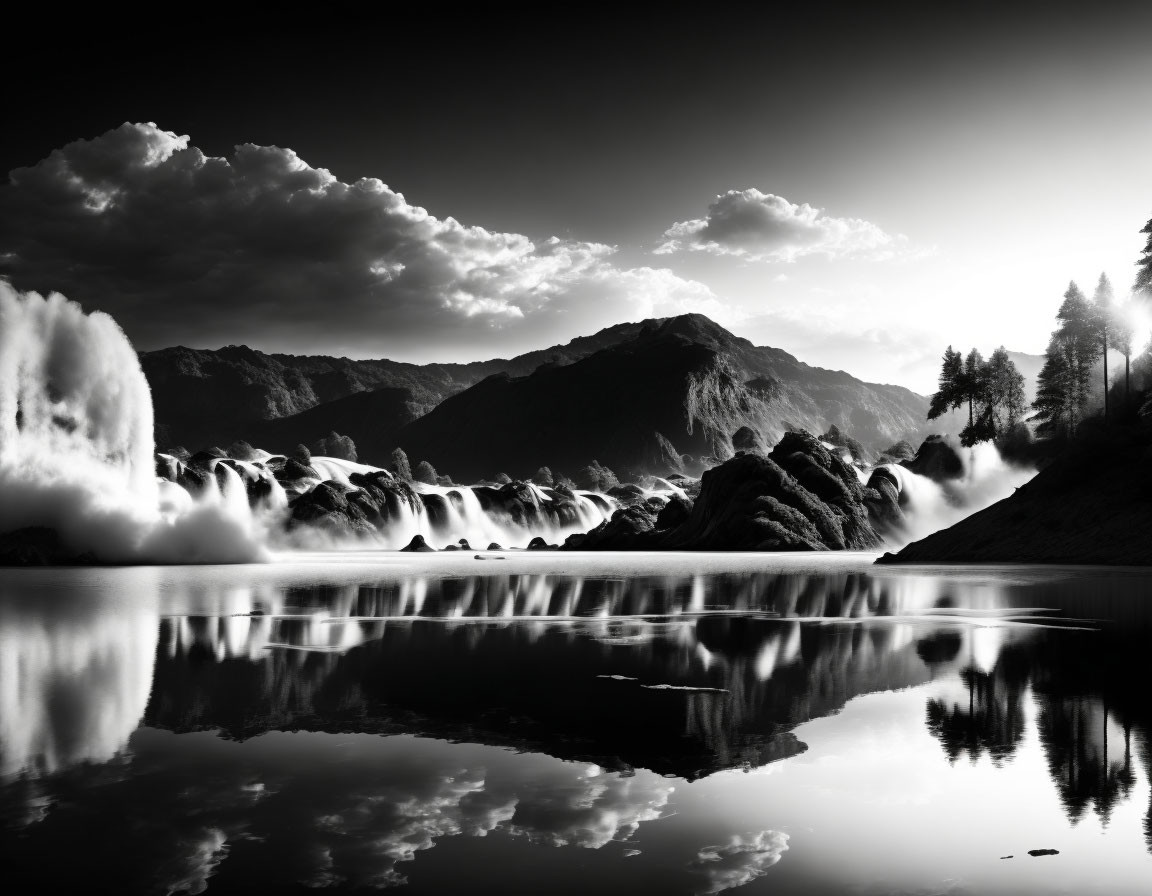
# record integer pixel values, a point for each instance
(859, 184)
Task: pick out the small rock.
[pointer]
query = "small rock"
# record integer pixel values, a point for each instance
(418, 545)
(464, 546)
(452, 547)
(495, 547)
(539, 544)
(1043, 852)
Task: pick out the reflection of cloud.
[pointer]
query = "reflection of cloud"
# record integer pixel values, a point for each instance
(363, 842)
(739, 861)
(194, 861)
(765, 227)
(590, 809)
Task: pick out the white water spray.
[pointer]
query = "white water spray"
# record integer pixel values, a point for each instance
(76, 448)
(930, 506)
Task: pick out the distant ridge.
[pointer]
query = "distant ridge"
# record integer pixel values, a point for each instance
(639, 394)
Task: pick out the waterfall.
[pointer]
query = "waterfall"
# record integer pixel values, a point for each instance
(930, 506)
(76, 448)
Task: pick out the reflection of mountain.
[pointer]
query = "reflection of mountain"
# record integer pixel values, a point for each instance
(555, 664)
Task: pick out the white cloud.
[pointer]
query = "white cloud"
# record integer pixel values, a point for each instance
(739, 861)
(766, 227)
(261, 247)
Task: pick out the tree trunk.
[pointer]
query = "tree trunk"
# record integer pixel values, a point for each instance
(1105, 378)
(970, 421)
(1127, 382)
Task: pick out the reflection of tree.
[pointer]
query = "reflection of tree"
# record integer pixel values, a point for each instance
(992, 719)
(1074, 731)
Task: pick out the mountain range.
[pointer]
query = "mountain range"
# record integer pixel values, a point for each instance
(656, 396)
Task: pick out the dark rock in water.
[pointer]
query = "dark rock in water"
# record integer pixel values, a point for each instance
(746, 439)
(418, 546)
(464, 546)
(495, 547)
(626, 530)
(894, 454)
(202, 460)
(1043, 852)
(882, 498)
(673, 513)
(40, 546)
(452, 547)
(627, 494)
(938, 458)
(292, 470)
(539, 544)
(801, 497)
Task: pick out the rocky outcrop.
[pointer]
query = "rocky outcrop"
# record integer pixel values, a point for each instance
(938, 458)
(801, 497)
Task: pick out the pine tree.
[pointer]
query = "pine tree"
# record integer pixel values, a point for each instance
(543, 477)
(1081, 347)
(1122, 333)
(1143, 285)
(1004, 391)
(1105, 313)
(972, 383)
(1054, 389)
(947, 397)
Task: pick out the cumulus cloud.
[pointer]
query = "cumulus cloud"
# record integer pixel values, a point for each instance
(261, 247)
(739, 861)
(766, 227)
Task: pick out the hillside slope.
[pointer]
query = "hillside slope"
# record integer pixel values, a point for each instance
(680, 387)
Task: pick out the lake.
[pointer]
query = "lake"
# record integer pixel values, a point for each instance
(565, 723)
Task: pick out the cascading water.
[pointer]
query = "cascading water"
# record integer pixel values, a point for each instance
(76, 449)
(930, 505)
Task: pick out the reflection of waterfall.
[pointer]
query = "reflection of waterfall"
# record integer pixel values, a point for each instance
(76, 445)
(75, 675)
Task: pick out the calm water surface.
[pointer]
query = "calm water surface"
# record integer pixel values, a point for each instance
(550, 724)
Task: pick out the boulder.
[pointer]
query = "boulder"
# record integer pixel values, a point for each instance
(938, 458)
(748, 440)
(673, 513)
(418, 546)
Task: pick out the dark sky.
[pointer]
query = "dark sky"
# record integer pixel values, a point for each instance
(592, 124)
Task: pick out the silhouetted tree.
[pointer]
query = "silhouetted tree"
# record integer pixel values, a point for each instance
(1079, 329)
(425, 472)
(400, 465)
(992, 389)
(1122, 333)
(1104, 316)
(1003, 391)
(543, 477)
(948, 396)
(1143, 285)
(301, 454)
(1066, 378)
(1053, 402)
